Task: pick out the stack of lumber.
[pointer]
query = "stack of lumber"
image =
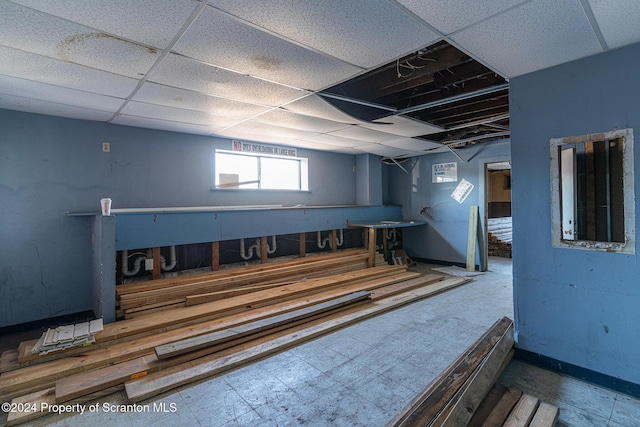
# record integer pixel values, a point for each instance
(500, 236)
(465, 394)
(161, 350)
(133, 299)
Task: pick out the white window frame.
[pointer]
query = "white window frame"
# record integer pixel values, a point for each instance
(558, 240)
(303, 171)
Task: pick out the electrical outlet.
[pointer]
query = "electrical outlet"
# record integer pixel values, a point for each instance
(106, 147)
(148, 264)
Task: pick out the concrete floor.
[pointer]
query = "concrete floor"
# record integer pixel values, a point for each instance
(364, 374)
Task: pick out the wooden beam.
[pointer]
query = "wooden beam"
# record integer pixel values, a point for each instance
(427, 404)
(546, 416)
(264, 246)
(523, 412)
(157, 263)
(372, 246)
(472, 238)
(503, 408)
(302, 245)
(215, 256)
(480, 382)
(334, 240)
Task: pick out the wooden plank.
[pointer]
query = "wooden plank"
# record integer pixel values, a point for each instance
(480, 382)
(428, 403)
(472, 238)
(455, 399)
(545, 416)
(219, 295)
(47, 397)
(75, 386)
(503, 408)
(157, 263)
(190, 344)
(168, 379)
(9, 359)
(32, 403)
(523, 412)
(406, 285)
(215, 256)
(488, 404)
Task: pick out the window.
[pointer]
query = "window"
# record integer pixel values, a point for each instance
(592, 192)
(250, 171)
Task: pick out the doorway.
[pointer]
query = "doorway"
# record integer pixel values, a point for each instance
(498, 224)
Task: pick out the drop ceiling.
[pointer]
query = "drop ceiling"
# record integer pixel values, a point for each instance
(392, 78)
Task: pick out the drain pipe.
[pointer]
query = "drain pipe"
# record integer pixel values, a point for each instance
(271, 249)
(137, 264)
(255, 247)
(322, 242)
(174, 261)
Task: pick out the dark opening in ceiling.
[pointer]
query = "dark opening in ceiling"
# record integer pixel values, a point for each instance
(439, 85)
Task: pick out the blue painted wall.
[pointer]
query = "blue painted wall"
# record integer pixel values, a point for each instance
(51, 165)
(445, 236)
(576, 306)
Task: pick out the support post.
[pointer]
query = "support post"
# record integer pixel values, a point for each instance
(334, 240)
(157, 263)
(472, 238)
(215, 256)
(302, 247)
(264, 246)
(372, 247)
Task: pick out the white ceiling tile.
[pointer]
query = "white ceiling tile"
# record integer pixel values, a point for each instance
(271, 131)
(42, 91)
(299, 121)
(11, 102)
(189, 74)
(402, 126)
(536, 35)
(150, 123)
(162, 112)
(412, 144)
(221, 40)
(347, 151)
(618, 21)
(37, 32)
(381, 150)
(364, 134)
(153, 93)
(337, 141)
(453, 15)
(151, 22)
(365, 34)
(316, 106)
(312, 145)
(47, 70)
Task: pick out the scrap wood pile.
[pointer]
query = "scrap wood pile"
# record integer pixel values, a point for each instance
(466, 393)
(161, 350)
